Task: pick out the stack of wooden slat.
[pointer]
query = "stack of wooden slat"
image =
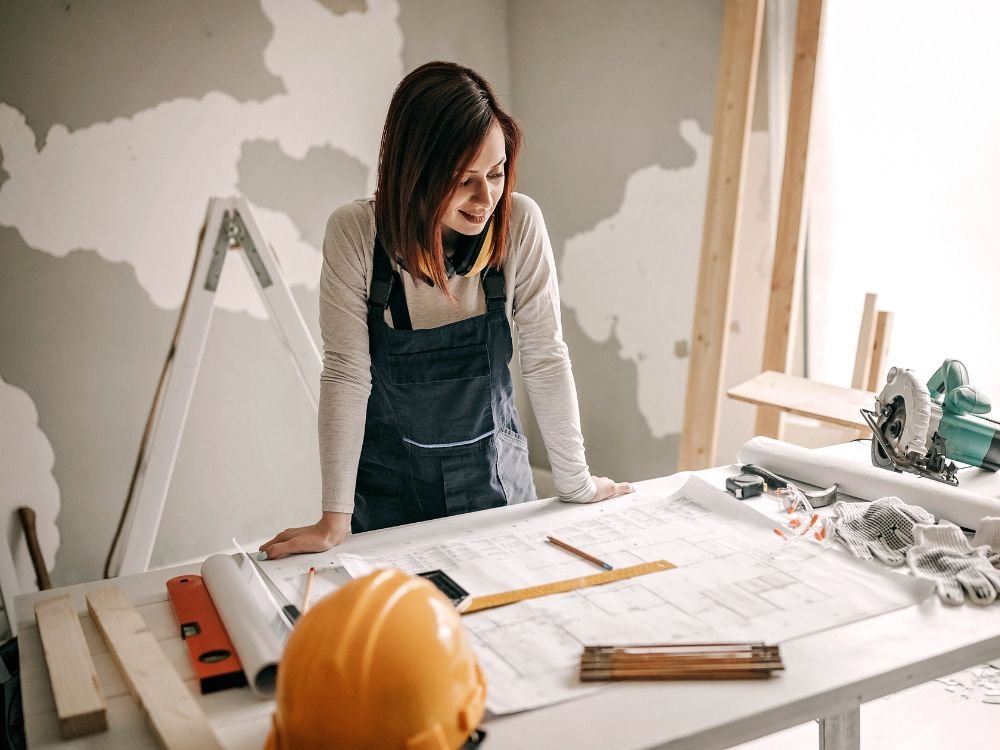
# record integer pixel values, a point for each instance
(679, 661)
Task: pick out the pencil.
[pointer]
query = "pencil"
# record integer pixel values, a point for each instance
(579, 553)
(308, 591)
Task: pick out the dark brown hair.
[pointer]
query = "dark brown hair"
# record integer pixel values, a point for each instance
(438, 118)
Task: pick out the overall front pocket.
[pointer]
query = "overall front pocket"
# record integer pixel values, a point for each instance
(443, 398)
(513, 469)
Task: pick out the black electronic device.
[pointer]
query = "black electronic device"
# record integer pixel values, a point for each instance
(449, 587)
(744, 486)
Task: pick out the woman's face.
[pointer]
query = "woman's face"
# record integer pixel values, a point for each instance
(479, 188)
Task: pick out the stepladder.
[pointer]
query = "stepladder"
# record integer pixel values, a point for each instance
(229, 228)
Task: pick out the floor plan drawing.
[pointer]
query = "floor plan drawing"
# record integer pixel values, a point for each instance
(733, 581)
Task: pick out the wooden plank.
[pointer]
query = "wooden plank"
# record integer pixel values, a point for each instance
(175, 716)
(733, 111)
(808, 398)
(866, 341)
(880, 351)
(76, 691)
(791, 209)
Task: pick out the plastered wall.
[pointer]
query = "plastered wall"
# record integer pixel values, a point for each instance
(112, 141)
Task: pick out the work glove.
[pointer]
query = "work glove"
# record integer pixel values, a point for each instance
(988, 533)
(942, 554)
(883, 528)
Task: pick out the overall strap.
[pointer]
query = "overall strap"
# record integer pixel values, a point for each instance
(494, 288)
(387, 291)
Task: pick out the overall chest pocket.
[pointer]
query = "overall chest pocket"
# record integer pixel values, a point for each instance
(455, 363)
(443, 397)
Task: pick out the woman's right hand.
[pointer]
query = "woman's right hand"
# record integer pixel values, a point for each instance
(328, 532)
(609, 488)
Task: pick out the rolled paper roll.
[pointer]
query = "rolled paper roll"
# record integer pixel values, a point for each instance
(252, 622)
(961, 505)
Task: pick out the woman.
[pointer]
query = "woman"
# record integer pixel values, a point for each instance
(416, 415)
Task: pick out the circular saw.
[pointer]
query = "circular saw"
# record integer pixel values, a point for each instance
(926, 429)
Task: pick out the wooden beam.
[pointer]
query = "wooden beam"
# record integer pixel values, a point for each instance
(175, 716)
(731, 129)
(791, 210)
(77, 694)
(866, 341)
(880, 351)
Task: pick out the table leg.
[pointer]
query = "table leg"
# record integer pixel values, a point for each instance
(841, 731)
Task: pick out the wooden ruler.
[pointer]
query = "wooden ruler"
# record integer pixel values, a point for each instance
(570, 584)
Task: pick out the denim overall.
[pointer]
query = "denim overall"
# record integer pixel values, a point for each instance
(442, 435)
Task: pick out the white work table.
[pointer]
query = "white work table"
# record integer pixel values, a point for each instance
(827, 675)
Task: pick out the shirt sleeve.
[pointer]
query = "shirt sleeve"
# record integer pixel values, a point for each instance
(345, 382)
(545, 364)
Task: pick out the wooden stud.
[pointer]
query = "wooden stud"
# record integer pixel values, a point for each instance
(175, 716)
(76, 691)
(866, 340)
(880, 351)
(791, 209)
(733, 112)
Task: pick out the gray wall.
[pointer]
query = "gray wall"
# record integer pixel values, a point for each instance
(104, 178)
(602, 90)
(84, 334)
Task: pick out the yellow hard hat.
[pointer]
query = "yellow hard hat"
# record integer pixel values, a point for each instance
(384, 662)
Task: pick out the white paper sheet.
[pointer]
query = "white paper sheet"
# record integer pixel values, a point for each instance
(289, 574)
(727, 585)
(358, 566)
(974, 499)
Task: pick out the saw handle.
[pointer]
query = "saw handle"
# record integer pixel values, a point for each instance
(774, 482)
(950, 386)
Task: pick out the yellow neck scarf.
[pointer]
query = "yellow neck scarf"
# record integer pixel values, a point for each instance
(474, 260)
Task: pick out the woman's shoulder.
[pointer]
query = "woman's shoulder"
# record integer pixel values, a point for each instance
(350, 233)
(350, 230)
(524, 208)
(528, 235)
(360, 213)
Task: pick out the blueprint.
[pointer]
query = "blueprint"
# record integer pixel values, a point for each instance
(735, 580)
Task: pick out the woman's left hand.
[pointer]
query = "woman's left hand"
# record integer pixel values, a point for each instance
(608, 488)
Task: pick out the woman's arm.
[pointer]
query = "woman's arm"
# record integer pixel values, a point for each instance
(545, 363)
(345, 382)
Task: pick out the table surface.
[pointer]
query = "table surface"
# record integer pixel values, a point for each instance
(826, 673)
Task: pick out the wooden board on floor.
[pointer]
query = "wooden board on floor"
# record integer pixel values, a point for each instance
(808, 398)
(76, 691)
(175, 716)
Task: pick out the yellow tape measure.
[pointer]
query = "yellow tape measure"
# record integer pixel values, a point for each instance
(560, 587)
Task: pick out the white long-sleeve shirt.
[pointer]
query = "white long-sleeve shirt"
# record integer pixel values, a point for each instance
(532, 304)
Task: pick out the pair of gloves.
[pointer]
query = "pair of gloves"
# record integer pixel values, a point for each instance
(896, 533)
